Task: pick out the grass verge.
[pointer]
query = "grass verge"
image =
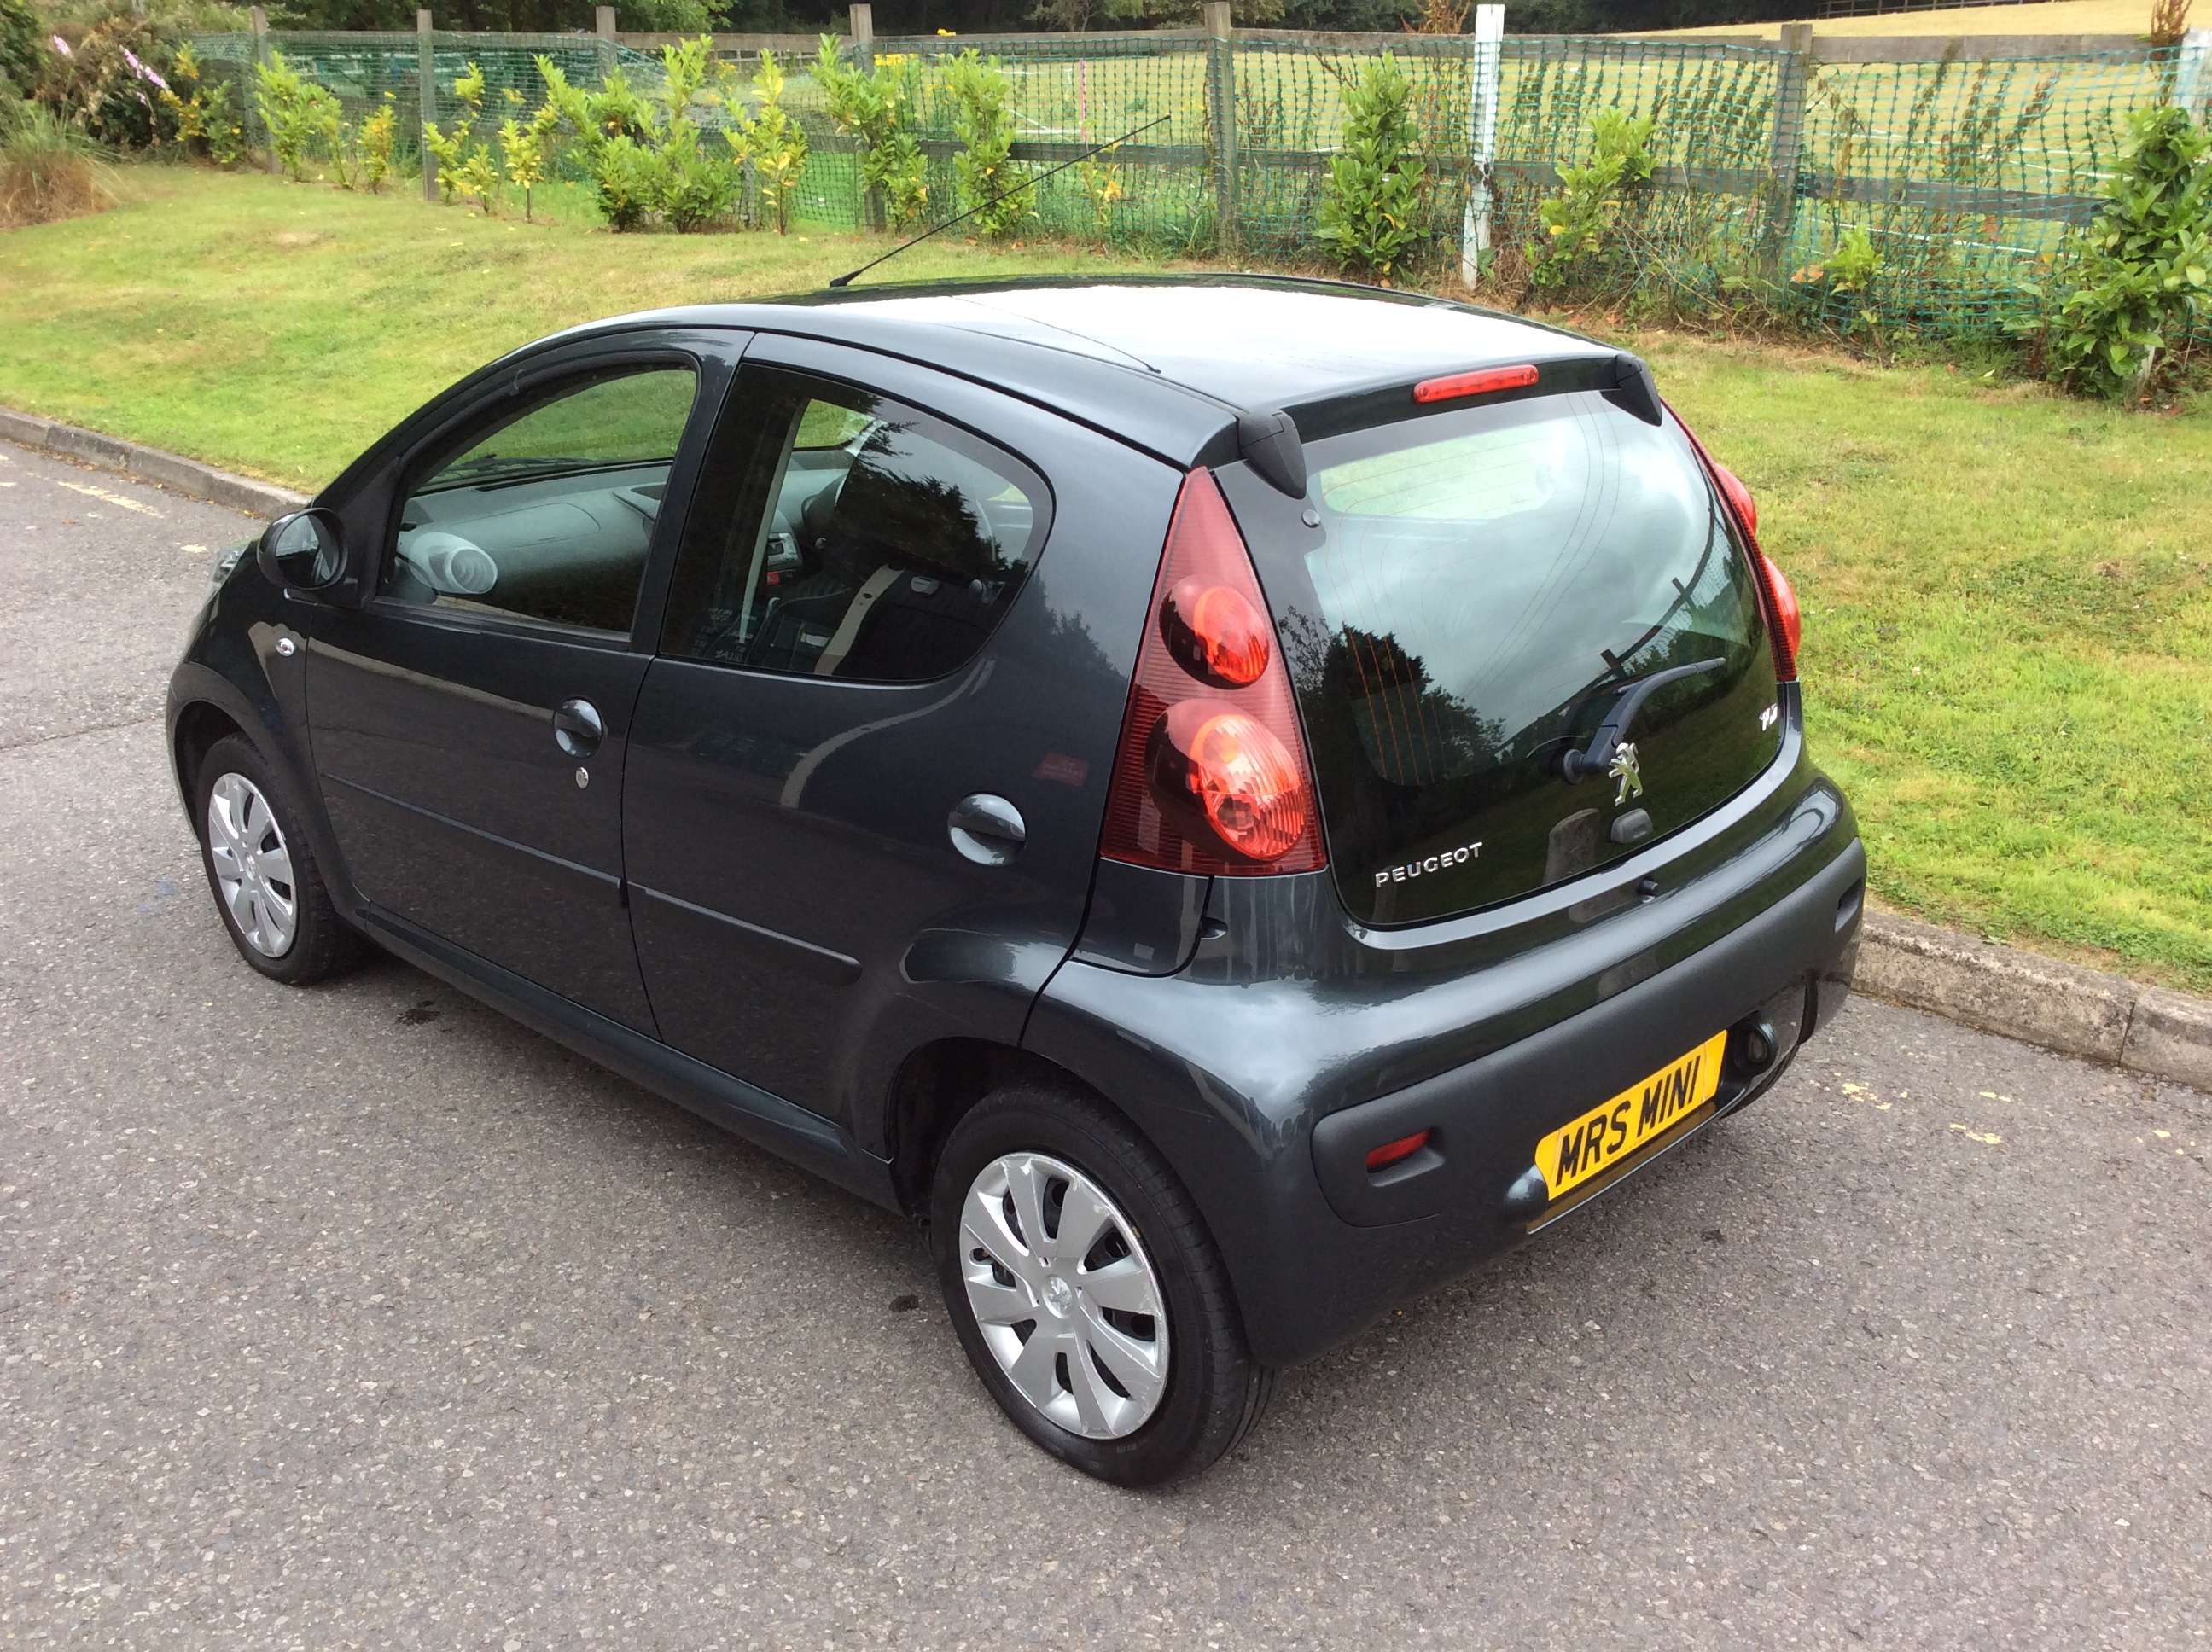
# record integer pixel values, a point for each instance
(275, 328)
(2009, 632)
(2008, 656)
(2049, 17)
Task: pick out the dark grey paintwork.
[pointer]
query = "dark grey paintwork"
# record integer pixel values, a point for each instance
(817, 967)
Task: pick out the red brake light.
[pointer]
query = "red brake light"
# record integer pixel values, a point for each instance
(1380, 1158)
(1215, 633)
(1786, 620)
(1786, 611)
(1746, 507)
(1481, 382)
(1212, 773)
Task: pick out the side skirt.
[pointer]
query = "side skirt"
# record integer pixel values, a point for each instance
(807, 1139)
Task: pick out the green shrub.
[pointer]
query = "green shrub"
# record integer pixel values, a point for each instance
(626, 178)
(22, 51)
(200, 114)
(379, 140)
(697, 187)
(526, 147)
(1839, 290)
(106, 80)
(467, 168)
(1578, 219)
(302, 115)
(2138, 283)
(878, 108)
(775, 144)
(983, 121)
(642, 152)
(1371, 205)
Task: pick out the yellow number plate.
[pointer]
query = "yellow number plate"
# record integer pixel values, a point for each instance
(1606, 1135)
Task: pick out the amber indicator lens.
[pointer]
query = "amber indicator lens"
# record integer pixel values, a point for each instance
(1221, 776)
(1483, 382)
(1215, 633)
(1390, 1153)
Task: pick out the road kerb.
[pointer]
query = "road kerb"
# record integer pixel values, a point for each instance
(2060, 1006)
(184, 476)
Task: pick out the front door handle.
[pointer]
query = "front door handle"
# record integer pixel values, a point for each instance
(987, 829)
(578, 727)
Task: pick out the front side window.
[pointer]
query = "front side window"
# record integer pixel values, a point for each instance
(547, 514)
(862, 540)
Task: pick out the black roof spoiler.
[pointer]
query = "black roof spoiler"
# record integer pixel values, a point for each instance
(1268, 439)
(1269, 442)
(1634, 389)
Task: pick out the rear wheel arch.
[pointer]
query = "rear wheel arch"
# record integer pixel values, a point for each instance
(939, 1084)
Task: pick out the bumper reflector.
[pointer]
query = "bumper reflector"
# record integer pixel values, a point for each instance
(1380, 1158)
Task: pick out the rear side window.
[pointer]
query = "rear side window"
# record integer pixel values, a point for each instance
(1485, 586)
(862, 540)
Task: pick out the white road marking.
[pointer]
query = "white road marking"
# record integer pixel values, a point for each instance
(91, 492)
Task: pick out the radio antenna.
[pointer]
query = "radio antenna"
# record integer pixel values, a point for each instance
(845, 280)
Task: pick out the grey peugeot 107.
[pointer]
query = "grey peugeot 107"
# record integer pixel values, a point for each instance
(1228, 800)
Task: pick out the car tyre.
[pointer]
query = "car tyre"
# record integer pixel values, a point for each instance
(1132, 1397)
(263, 873)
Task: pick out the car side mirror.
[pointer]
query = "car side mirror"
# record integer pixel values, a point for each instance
(304, 552)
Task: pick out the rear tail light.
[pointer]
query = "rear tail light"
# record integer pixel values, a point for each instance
(1787, 615)
(1746, 507)
(1785, 622)
(1212, 773)
(1216, 634)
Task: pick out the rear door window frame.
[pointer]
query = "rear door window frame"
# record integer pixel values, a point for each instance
(747, 505)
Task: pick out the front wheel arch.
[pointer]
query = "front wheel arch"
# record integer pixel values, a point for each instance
(198, 726)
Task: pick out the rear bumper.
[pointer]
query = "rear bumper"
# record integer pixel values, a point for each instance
(1234, 1093)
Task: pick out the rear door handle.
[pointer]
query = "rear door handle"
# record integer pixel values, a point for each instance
(578, 727)
(987, 829)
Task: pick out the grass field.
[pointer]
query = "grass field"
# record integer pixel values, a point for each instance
(2009, 633)
(2051, 17)
(275, 327)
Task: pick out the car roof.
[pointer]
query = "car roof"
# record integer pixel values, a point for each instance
(1165, 362)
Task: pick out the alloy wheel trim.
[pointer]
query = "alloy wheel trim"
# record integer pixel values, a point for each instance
(1082, 1372)
(252, 865)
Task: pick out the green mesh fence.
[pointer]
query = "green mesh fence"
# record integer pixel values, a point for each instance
(1963, 176)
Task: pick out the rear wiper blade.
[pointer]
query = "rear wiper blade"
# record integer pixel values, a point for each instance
(1597, 758)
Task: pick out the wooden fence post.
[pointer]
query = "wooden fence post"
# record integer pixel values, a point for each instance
(1221, 122)
(2192, 74)
(864, 59)
(426, 73)
(257, 19)
(603, 22)
(1484, 82)
(1792, 76)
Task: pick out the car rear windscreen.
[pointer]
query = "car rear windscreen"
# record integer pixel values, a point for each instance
(1484, 586)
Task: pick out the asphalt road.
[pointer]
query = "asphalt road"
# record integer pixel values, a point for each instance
(359, 1316)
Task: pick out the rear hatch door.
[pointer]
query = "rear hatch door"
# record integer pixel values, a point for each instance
(1525, 638)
